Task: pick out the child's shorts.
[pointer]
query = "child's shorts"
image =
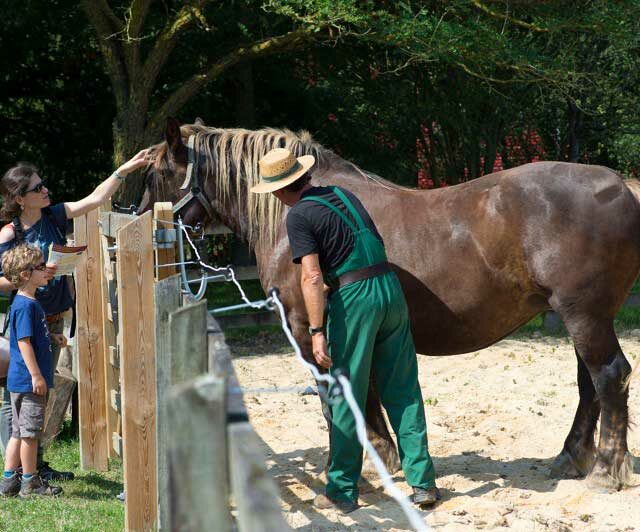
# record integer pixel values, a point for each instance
(28, 414)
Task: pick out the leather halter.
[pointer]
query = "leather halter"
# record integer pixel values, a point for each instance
(193, 178)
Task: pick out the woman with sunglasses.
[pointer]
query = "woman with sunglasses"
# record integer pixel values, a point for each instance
(30, 217)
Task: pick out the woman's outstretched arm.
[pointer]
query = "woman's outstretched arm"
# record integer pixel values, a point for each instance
(107, 188)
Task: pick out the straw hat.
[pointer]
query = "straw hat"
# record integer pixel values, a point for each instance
(279, 168)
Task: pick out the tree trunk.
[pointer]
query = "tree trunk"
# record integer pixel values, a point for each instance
(128, 138)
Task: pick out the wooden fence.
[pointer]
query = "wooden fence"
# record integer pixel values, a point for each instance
(157, 387)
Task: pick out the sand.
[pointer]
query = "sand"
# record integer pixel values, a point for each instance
(496, 419)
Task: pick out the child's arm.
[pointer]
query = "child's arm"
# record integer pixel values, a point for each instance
(29, 357)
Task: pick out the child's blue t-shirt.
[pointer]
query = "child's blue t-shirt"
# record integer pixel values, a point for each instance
(55, 296)
(27, 320)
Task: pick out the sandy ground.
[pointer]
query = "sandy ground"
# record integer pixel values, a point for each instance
(496, 420)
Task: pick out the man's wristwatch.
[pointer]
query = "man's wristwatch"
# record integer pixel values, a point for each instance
(316, 330)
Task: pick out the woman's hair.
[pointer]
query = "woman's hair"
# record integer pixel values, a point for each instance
(22, 258)
(14, 183)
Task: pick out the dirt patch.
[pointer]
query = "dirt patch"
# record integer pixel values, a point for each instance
(496, 420)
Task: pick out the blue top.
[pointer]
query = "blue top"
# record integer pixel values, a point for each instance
(28, 321)
(55, 296)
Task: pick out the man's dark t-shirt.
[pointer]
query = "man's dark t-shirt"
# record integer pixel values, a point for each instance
(315, 228)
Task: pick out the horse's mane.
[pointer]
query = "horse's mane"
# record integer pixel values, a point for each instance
(232, 157)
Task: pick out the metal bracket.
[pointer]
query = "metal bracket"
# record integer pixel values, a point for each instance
(164, 238)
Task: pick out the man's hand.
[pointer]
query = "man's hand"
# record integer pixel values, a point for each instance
(59, 339)
(320, 351)
(39, 384)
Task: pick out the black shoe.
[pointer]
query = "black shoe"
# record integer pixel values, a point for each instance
(322, 502)
(426, 497)
(36, 486)
(10, 487)
(48, 473)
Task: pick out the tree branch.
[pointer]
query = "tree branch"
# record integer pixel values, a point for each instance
(106, 25)
(287, 42)
(166, 42)
(137, 15)
(502, 16)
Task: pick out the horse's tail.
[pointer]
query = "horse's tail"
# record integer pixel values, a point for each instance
(634, 187)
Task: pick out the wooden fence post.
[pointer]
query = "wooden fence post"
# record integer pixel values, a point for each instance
(163, 214)
(199, 493)
(255, 492)
(94, 449)
(167, 300)
(138, 371)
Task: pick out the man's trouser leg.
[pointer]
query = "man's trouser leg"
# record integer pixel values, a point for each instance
(351, 336)
(5, 419)
(396, 369)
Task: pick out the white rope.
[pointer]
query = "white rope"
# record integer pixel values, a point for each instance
(342, 381)
(414, 518)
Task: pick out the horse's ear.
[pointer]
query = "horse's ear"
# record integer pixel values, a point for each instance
(199, 121)
(172, 134)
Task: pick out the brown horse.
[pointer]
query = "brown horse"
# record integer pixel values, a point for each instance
(476, 261)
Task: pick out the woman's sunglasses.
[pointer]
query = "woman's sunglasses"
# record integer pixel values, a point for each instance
(40, 267)
(37, 188)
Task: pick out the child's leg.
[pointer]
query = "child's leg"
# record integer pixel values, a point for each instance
(28, 455)
(12, 455)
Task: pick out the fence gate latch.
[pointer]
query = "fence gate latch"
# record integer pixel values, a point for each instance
(164, 238)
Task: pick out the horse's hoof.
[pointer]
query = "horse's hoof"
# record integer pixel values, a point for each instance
(564, 466)
(611, 478)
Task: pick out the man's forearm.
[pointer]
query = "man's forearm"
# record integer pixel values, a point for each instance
(313, 293)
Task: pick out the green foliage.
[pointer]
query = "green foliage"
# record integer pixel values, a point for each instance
(88, 504)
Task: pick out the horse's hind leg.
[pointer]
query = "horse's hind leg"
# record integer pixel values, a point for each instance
(378, 431)
(579, 451)
(597, 345)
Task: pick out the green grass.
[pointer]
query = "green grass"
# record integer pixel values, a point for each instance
(227, 294)
(88, 504)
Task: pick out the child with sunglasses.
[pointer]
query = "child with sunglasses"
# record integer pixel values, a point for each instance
(30, 373)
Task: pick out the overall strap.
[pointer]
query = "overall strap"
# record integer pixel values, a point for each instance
(334, 209)
(350, 208)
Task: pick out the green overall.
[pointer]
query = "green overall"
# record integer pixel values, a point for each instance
(368, 327)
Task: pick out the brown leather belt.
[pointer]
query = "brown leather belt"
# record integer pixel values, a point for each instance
(358, 275)
(52, 318)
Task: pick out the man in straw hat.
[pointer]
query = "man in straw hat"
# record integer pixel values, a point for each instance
(333, 237)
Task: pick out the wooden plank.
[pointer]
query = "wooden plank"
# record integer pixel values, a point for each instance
(137, 371)
(221, 366)
(255, 491)
(198, 456)
(111, 371)
(111, 222)
(162, 214)
(167, 300)
(94, 448)
(57, 406)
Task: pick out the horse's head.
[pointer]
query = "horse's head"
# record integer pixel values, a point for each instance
(165, 178)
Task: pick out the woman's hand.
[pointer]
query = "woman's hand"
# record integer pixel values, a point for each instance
(51, 270)
(39, 384)
(139, 160)
(59, 339)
